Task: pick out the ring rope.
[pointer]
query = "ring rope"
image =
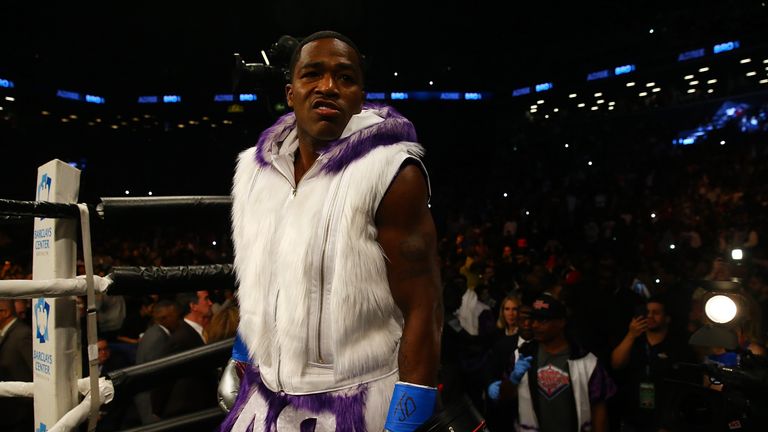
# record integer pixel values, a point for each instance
(93, 349)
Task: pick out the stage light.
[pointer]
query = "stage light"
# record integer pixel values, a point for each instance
(581, 105)
(710, 91)
(127, 192)
(599, 101)
(572, 95)
(149, 193)
(566, 145)
(650, 84)
(650, 31)
(10, 98)
(712, 81)
(546, 115)
(610, 108)
(658, 280)
(751, 73)
(746, 60)
(693, 82)
(505, 194)
(395, 74)
(722, 142)
(720, 309)
(431, 82)
(631, 84)
(656, 89)
(213, 243)
(539, 102)
(704, 69)
(653, 215)
(642, 94)
(737, 254)
(555, 110)
(672, 246)
(687, 77)
(691, 90)
(598, 94)
(764, 81)
(589, 163)
(594, 108)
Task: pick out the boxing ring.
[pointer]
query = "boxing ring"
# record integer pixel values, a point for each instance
(62, 399)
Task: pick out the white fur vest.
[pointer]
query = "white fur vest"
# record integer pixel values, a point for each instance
(316, 310)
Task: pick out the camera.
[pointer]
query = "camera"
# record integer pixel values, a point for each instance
(272, 72)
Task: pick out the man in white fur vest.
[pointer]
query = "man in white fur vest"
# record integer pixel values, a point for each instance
(336, 256)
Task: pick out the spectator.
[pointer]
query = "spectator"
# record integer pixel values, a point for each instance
(15, 365)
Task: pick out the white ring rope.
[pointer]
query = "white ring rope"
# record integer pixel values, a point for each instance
(76, 415)
(25, 288)
(16, 389)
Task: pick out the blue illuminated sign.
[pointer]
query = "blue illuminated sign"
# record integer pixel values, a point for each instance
(521, 91)
(725, 46)
(398, 95)
(171, 98)
(6, 83)
(621, 70)
(473, 96)
(543, 87)
(605, 73)
(147, 99)
(94, 99)
(223, 98)
(450, 96)
(691, 54)
(68, 95)
(376, 96)
(422, 95)
(247, 97)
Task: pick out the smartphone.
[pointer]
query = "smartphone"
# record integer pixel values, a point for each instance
(640, 311)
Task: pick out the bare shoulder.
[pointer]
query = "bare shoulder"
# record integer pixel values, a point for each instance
(406, 197)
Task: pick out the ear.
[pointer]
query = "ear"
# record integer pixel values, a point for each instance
(289, 94)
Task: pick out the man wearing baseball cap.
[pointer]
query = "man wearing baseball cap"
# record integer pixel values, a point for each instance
(560, 386)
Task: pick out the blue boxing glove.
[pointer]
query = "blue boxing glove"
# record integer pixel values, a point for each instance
(521, 367)
(240, 350)
(494, 389)
(411, 406)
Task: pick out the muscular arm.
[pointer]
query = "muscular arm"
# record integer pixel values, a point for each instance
(407, 234)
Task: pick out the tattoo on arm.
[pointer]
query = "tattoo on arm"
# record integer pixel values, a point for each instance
(415, 255)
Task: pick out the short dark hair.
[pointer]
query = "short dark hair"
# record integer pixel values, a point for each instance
(184, 299)
(660, 300)
(324, 34)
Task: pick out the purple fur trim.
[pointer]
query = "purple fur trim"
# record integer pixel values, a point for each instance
(276, 132)
(395, 128)
(348, 410)
(243, 396)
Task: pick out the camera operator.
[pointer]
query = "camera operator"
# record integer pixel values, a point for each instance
(647, 355)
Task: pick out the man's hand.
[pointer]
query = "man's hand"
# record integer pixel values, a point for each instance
(494, 389)
(637, 326)
(521, 367)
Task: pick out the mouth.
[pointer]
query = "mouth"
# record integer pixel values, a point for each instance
(326, 108)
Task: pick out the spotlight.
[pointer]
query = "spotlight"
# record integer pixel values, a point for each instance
(720, 309)
(737, 254)
(724, 310)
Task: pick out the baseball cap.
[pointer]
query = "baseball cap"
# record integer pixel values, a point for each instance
(547, 307)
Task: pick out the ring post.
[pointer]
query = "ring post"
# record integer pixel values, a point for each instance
(56, 334)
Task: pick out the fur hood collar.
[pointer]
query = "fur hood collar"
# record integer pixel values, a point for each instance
(391, 129)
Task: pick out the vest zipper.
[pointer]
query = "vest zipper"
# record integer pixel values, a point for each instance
(321, 295)
(277, 347)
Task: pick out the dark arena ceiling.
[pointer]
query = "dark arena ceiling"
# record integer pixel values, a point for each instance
(73, 75)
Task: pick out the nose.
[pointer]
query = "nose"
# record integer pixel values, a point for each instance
(327, 85)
